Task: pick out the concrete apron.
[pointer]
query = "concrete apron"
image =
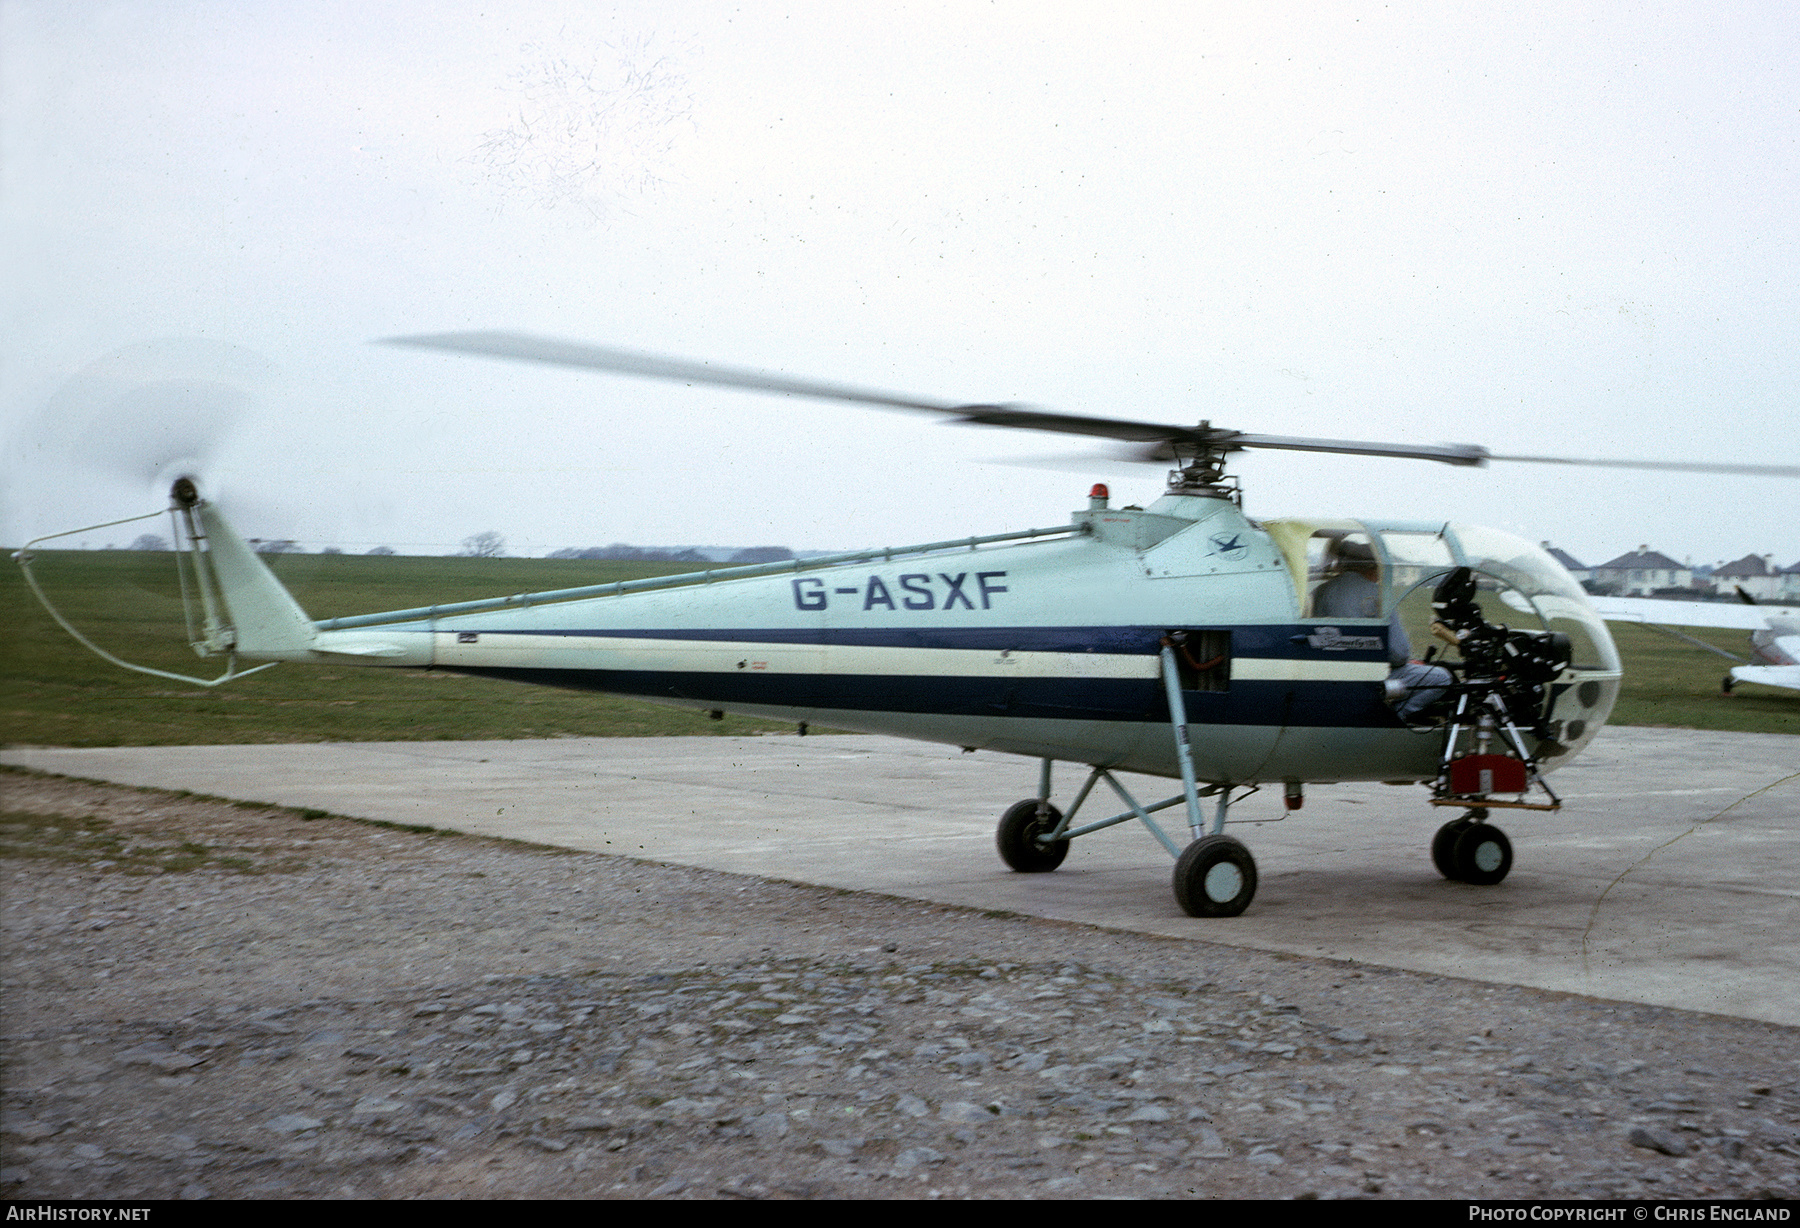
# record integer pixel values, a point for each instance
(1671, 876)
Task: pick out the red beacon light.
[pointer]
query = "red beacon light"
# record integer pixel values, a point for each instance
(1097, 497)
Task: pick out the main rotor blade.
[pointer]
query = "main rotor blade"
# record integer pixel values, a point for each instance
(1766, 471)
(1447, 453)
(1232, 441)
(526, 348)
(1030, 418)
(1162, 440)
(1469, 454)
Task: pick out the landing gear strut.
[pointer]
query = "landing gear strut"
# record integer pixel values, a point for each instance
(1215, 876)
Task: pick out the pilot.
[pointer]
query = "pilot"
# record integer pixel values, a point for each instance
(1354, 591)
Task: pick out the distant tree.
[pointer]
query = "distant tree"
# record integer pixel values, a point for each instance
(275, 546)
(762, 554)
(382, 550)
(489, 545)
(150, 541)
(620, 552)
(331, 550)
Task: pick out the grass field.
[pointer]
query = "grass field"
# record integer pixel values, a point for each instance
(55, 693)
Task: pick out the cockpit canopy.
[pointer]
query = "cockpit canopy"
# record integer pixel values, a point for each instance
(1376, 569)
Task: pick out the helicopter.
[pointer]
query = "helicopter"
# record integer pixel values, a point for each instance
(1182, 640)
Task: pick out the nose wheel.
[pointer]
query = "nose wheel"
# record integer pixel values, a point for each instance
(1471, 850)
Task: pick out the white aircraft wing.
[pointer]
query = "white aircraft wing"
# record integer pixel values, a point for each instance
(1769, 675)
(1730, 616)
(1783, 621)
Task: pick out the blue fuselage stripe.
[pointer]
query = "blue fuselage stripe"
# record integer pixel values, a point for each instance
(1296, 703)
(1279, 641)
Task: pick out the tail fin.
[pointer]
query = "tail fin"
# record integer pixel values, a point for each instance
(250, 614)
(260, 618)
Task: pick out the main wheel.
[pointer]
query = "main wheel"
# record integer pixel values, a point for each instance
(1216, 877)
(1017, 838)
(1482, 855)
(1443, 846)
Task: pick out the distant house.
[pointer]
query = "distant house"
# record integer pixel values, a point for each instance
(1641, 573)
(1756, 574)
(1581, 571)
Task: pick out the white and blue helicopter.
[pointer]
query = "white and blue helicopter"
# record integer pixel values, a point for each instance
(1181, 640)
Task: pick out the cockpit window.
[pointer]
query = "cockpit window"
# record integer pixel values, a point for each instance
(1414, 558)
(1343, 576)
(1520, 564)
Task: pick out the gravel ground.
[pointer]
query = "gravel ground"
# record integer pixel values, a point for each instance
(209, 1000)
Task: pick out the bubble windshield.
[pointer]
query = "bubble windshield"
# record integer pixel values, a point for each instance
(1520, 584)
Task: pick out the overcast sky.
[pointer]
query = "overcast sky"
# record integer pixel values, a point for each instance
(1547, 228)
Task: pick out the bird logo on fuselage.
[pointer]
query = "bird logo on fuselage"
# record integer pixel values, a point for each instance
(1232, 547)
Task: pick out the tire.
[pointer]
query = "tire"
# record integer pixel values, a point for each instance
(1017, 838)
(1443, 846)
(1482, 855)
(1216, 877)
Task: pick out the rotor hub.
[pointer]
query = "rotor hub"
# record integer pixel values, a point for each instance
(1202, 471)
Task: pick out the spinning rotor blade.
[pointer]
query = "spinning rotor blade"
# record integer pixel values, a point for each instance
(526, 348)
(1162, 442)
(133, 420)
(1464, 454)
(1233, 441)
(1766, 471)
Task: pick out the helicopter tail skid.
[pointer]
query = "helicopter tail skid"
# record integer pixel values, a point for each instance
(234, 605)
(24, 559)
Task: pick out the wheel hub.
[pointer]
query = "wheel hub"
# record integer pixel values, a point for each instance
(1223, 882)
